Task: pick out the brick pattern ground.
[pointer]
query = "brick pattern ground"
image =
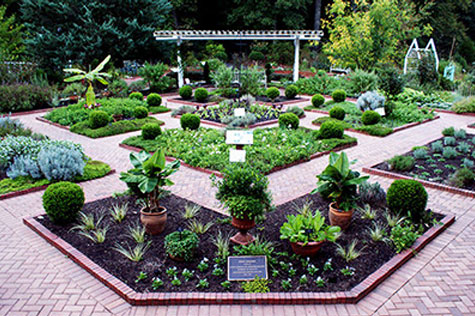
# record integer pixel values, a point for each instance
(35, 279)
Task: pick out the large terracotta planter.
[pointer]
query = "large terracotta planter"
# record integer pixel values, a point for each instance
(154, 222)
(242, 237)
(339, 218)
(308, 250)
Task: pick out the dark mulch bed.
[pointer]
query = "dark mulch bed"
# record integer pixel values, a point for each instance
(436, 168)
(263, 98)
(156, 262)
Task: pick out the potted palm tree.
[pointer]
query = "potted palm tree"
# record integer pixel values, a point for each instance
(340, 184)
(147, 180)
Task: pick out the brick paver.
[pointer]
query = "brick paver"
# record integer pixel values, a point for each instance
(35, 279)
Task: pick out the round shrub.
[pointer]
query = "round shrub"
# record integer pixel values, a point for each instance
(337, 112)
(201, 94)
(186, 92)
(291, 91)
(289, 120)
(154, 99)
(181, 244)
(98, 119)
(136, 96)
(151, 130)
(190, 121)
(140, 112)
(407, 196)
(339, 95)
(272, 93)
(318, 100)
(63, 201)
(331, 129)
(256, 55)
(370, 117)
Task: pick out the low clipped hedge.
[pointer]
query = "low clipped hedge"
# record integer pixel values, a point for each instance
(114, 128)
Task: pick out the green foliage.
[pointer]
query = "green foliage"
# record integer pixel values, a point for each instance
(154, 99)
(331, 129)
(155, 76)
(140, 112)
(24, 97)
(296, 110)
(318, 100)
(337, 113)
(420, 153)
(449, 153)
(450, 141)
(462, 177)
(466, 105)
(190, 121)
(390, 81)
(371, 192)
(11, 37)
(223, 77)
(201, 94)
(98, 119)
(460, 133)
(256, 56)
(370, 117)
(361, 81)
(186, 92)
(289, 120)
(118, 88)
(350, 253)
(151, 130)
(113, 128)
(257, 285)
(291, 91)
(403, 236)
(137, 85)
(448, 131)
(72, 89)
(251, 81)
(181, 244)
(259, 247)
(272, 93)
(308, 228)
(408, 198)
(401, 163)
(339, 95)
(63, 201)
(136, 96)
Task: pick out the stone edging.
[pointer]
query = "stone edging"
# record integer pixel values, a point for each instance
(429, 184)
(42, 187)
(278, 168)
(282, 298)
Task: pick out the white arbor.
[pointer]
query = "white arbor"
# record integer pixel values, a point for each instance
(415, 54)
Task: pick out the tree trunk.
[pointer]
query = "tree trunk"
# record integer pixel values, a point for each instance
(317, 15)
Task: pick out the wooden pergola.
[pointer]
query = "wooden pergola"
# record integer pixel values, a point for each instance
(206, 35)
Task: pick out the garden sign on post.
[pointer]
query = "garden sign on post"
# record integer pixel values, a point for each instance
(238, 138)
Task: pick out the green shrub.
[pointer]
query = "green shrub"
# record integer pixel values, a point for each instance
(296, 110)
(450, 141)
(256, 55)
(437, 146)
(63, 201)
(98, 119)
(337, 113)
(257, 285)
(72, 89)
(113, 128)
(462, 177)
(138, 85)
(154, 99)
(190, 121)
(24, 97)
(448, 131)
(375, 130)
(201, 94)
(136, 96)
(289, 120)
(151, 130)
(407, 197)
(318, 100)
(331, 129)
(272, 93)
(155, 76)
(291, 91)
(370, 117)
(449, 152)
(402, 163)
(420, 153)
(181, 244)
(403, 236)
(466, 105)
(186, 92)
(118, 89)
(460, 133)
(339, 95)
(140, 112)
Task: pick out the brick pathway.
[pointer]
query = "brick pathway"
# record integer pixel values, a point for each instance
(35, 279)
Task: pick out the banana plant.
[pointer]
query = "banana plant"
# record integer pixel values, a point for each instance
(90, 77)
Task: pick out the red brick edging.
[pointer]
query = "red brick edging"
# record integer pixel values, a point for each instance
(264, 123)
(429, 184)
(180, 298)
(278, 168)
(452, 112)
(42, 187)
(42, 119)
(34, 111)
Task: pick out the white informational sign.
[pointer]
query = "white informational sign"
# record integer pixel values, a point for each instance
(240, 112)
(380, 111)
(239, 137)
(236, 155)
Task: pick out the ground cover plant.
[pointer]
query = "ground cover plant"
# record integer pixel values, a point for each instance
(273, 147)
(448, 160)
(113, 116)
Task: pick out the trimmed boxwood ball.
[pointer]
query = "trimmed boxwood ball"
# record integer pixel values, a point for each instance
(407, 196)
(337, 112)
(291, 91)
(151, 130)
(370, 117)
(154, 99)
(98, 119)
(272, 93)
(339, 95)
(256, 55)
(331, 129)
(140, 112)
(63, 201)
(136, 96)
(190, 121)
(186, 92)
(201, 94)
(289, 120)
(318, 100)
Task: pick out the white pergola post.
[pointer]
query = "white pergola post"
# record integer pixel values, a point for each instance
(180, 65)
(296, 58)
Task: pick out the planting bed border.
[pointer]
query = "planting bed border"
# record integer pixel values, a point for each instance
(282, 103)
(327, 96)
(264, 123)
(42, 187)
(434, 185)
(452, 112)
(190, 103)
(278, 168)
(395, 129)
(284, 298)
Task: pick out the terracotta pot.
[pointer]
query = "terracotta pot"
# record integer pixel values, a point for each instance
(308, 250)
(242, 237)
(179, 259)
(154, 222)
(338, 217)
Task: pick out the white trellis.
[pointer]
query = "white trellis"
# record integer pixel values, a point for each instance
(185, 35)
(415, 54)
